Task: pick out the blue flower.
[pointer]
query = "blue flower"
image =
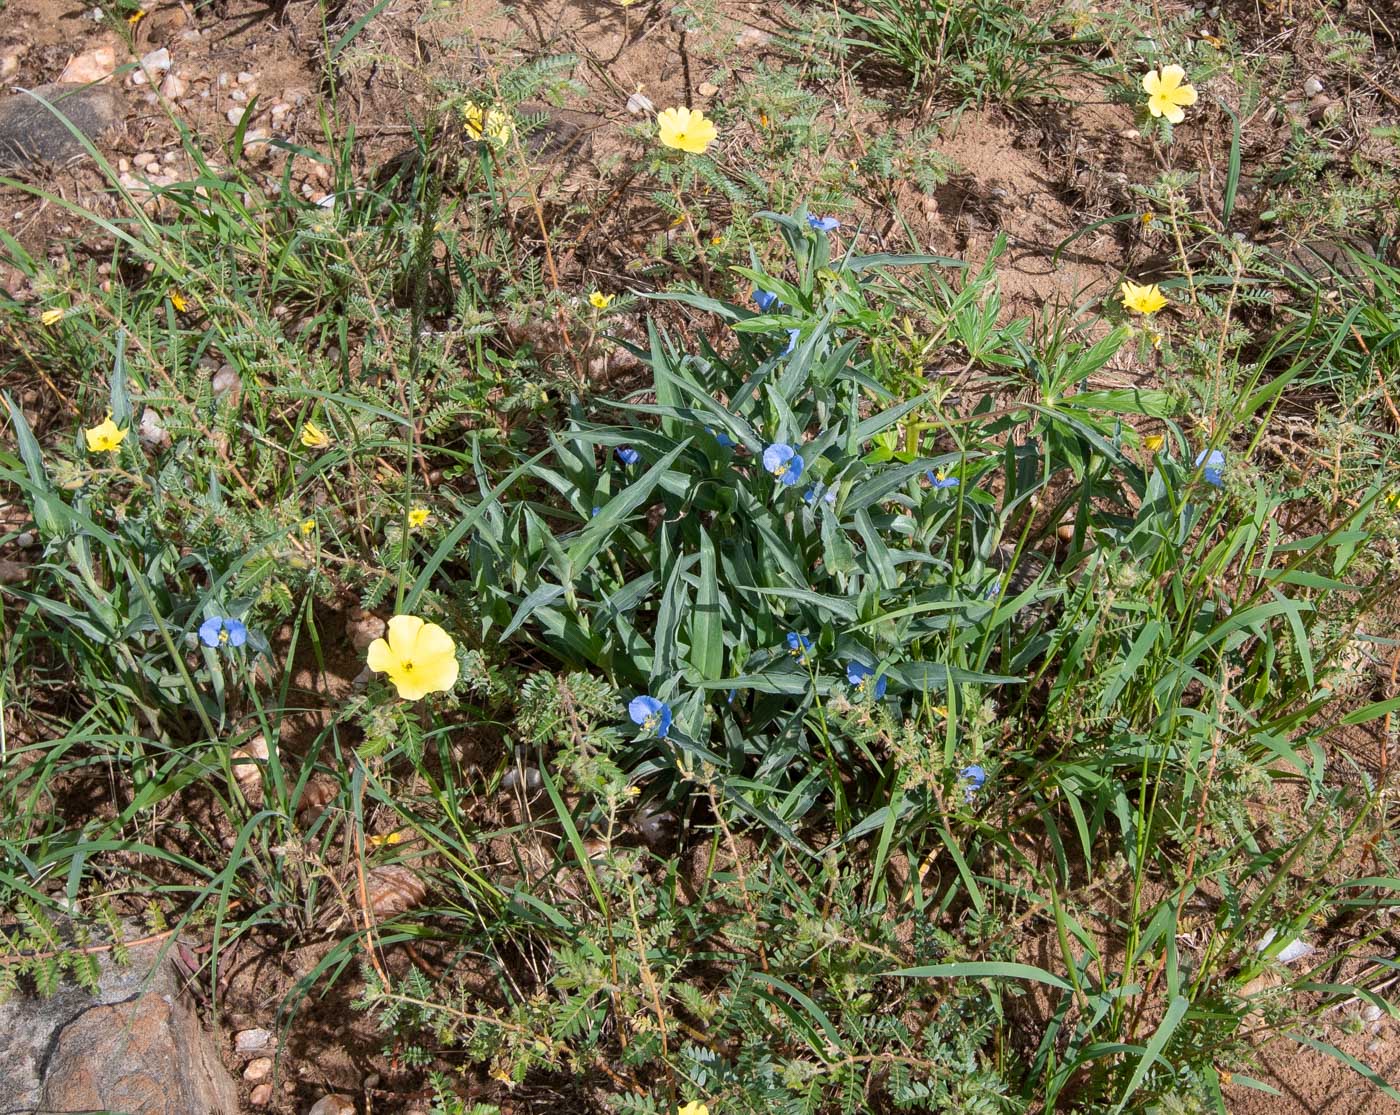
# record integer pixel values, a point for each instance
(824, 224)
(725, 441)
(650, 715)
(941, 480)
(216, 631)
(820, 492)
(765, 300)
(799, 646)
(627, 455)
(1215, 466)
(784, 462)
(858, 675)
(974, 776)
(595, 512)
(794, 335)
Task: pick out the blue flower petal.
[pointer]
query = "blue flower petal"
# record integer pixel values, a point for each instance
(765, 300)
(784, 462)
(237, 632)
(940, 480)
(209, 631)
(650, 714)
(824, 224)
(794, 335)
(1214, 471)
(627, 455)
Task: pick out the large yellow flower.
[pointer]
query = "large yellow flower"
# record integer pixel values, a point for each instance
(105, 437)
(491, 124)
(685, 130)
(1143, 298)
(420, 658)
(1167, 93)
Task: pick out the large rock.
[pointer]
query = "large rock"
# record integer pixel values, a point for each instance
(136, 1047)
(30, 133)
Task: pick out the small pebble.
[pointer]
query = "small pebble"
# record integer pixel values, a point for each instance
(1372, 1013)
(332, 1105)
(245, 1041)
(259, 1069)
(157, 61)
(708, 90)
(1312, 87)
(234, 115)
(245, 78)
(173, 88)
(142, 158)
(260, 1096)
(238, 95)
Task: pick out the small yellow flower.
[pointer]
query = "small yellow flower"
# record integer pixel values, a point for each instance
(105, 437)
(1153, 442)
(600, 301)
(52, 317)
(136, 16)
(1148, 218)
(390, 838)
(307, 527)
(694, 1108)
(417, 516)
(1167, 93)
(1142, 298)
(313, 437)
(1154, 338)
(419, 658)
(491, 124)
(179, 301)
(685, 130)
(716, 240)
(1392, 497)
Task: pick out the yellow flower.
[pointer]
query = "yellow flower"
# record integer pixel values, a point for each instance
(694, 1108)
(599, 300)
(179, 301)
(105, 437)
(1393, 498)
(417, 516)
(685, 130)
(313, 437)
(1167, 94)
(420, 658)
(52, 317)
(390, 838)
(136, 17)
(1153, 442)
(1142, 298)
(1148, 217)
(491, 124)
(307, 527)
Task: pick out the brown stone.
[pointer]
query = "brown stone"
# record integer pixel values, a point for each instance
(136, 1046)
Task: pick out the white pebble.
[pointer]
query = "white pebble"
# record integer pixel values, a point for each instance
(157, 61)
(245, 78)
(234, 115)
(1312, 87)
(238, 95)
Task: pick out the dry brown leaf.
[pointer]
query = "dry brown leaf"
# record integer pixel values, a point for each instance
(393, 889)
(247, 763)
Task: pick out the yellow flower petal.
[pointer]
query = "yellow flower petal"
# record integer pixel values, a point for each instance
(1172, 76)
(105, 437)
(419, 658)
(179, 301)
(1151, 83)
(417, 516)
(52, 317)
(599, 300)
(1142, 298)
(313, 437)
(685, 130)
